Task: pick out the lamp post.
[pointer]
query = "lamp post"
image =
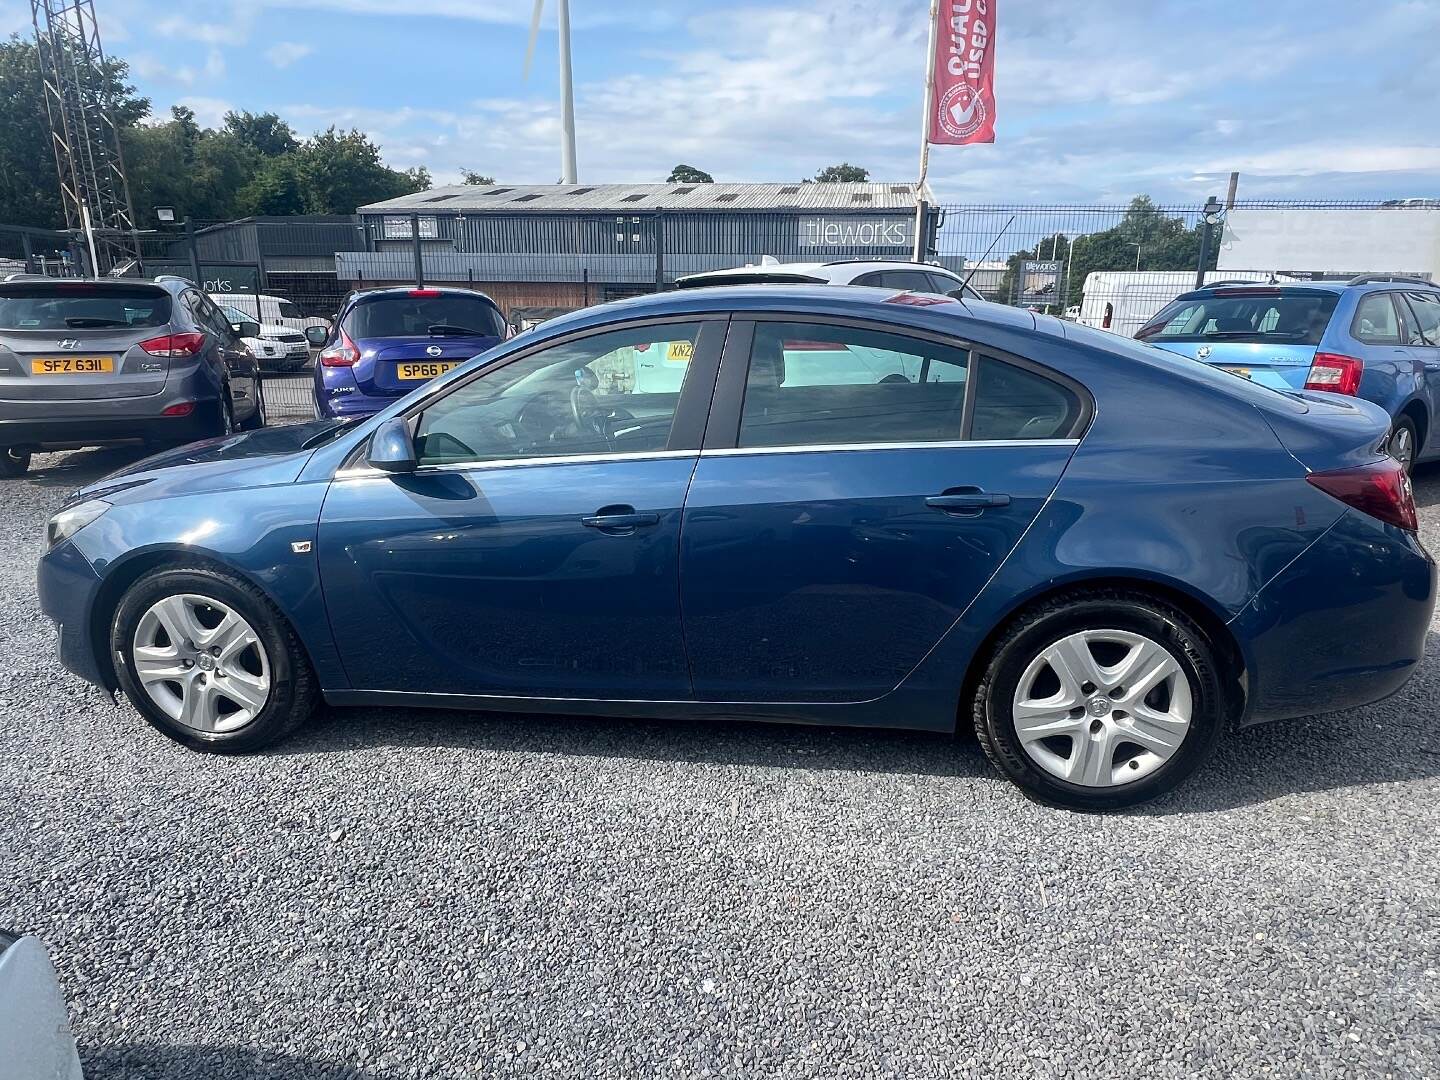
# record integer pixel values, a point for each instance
(166, 216)
(1212, 214)
(1137, 248)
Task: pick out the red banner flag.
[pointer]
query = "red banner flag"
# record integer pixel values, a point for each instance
(962, 104)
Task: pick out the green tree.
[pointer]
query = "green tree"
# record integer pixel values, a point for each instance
(689, 174)
(341, 170)
(29, 188)
(275, 190)
(841, 174)
(265, 133)
(470, 176)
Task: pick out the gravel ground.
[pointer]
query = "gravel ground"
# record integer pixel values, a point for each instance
(417, 894)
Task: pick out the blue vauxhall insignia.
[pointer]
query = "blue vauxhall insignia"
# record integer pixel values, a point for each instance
(827, 505)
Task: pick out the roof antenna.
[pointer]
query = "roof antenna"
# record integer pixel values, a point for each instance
(966, 283)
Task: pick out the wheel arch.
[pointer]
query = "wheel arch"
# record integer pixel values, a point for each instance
(1211, 621)
(119, 580)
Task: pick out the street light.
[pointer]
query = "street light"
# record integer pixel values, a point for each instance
(1212, 213)
(1137, 248)
(166, 215)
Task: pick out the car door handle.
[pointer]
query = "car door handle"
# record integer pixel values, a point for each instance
(966, 503)
(618, 519)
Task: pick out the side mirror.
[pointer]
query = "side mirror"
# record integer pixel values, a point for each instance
(246, 328)
(391, 448)
(316, 335)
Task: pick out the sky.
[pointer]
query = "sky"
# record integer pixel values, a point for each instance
(1097, 100)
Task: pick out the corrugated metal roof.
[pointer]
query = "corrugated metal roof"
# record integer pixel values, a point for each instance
(637, 197)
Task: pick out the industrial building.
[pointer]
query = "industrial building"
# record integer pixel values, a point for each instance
(557, 247)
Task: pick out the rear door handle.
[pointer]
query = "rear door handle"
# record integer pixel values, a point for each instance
(966, 503)
(618, 519)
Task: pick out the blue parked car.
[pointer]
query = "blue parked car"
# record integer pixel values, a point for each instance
(384, 343)
(813, 504)
(1376, 337)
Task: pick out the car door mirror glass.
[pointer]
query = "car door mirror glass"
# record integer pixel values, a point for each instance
(316, 335)
(392, 449)
(246, 329)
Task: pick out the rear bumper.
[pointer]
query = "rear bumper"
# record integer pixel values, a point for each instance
(68, 587)
(1344, 625)
(73, 432)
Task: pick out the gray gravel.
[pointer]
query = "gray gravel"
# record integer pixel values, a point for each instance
(414, 894)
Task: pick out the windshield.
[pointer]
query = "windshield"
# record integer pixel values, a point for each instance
(404, 315)
(1292, 316)
(81, 306)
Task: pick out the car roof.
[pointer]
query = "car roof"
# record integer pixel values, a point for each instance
(820, 299)
(820, 270)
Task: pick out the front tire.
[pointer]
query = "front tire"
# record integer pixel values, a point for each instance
(207, 659)
(13, 462)
(1100, 700)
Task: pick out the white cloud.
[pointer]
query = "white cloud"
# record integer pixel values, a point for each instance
(284, 53)
(209, 111)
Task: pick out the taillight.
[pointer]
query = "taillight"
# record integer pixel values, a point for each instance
(1108, 317)
(174, 345)
(1336, 373)
(1381, 489)
(426, 292)
(180, 408)
(342, 354)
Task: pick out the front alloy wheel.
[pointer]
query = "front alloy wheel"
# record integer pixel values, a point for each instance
(1402, 442)
(201, 664)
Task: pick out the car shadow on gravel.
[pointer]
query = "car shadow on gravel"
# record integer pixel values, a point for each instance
(1393, 742)
(81, 467)
(145, 1061)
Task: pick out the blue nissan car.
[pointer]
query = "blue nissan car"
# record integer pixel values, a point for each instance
(384, 343)
(813, 504)
(1375, 337)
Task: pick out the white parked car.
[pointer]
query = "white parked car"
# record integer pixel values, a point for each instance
(265, 308)
(276, 347)
(900, 276)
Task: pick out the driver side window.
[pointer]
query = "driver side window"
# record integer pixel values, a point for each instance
(609, 393)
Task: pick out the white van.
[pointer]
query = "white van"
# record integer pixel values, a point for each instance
(267, 309)
(1124, 301)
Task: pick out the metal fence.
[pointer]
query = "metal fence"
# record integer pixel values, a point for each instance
(289, 399)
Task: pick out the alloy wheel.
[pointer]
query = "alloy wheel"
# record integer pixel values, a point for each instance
(1101, 708)
(1402, 446)
(201, 663)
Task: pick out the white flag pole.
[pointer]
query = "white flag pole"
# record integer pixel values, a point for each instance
(925, 133)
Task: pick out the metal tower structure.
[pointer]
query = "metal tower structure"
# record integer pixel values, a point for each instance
(83, 134)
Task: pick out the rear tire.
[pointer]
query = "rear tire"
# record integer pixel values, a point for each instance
(257, 418)
(290, 694)
(13, 462)
(1404, 442)
(1038, 764)
(225, 415)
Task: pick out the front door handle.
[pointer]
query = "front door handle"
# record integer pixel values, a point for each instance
(618, 520)
(966, 503)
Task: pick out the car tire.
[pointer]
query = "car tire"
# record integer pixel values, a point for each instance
(13, 462)
(290, 694)
(225, 415)
(1404, 442)
(1042, 765)
(256, 419)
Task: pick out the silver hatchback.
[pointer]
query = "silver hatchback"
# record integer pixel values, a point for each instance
(109, 362)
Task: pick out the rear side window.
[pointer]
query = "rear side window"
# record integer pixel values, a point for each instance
(1292, 317)
(403, 315)
(820, 384)
(1014, 403)
(1375, 321)
(1426, 309)
(80, 306)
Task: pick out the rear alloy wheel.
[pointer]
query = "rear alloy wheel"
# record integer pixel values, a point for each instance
(208, 660)
(227, 416)
(1100, 701)
(1404, 441)
(13, 462)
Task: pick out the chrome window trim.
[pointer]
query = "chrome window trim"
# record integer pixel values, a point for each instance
(826, 448)
(366, 472)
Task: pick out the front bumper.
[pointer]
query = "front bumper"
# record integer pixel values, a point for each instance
(69, 588)
(1343, 625)
(73, 432)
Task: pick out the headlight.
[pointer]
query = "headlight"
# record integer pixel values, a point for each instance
(71, 520)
